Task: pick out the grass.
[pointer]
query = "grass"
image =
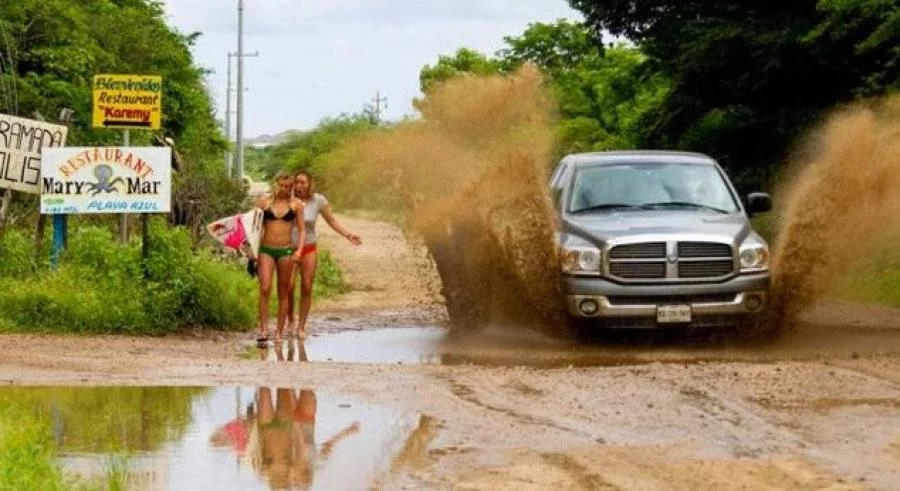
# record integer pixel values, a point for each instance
(28, 455)
(876, 280)
(27, 452)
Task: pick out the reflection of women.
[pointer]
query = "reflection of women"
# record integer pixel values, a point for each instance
(282, 438)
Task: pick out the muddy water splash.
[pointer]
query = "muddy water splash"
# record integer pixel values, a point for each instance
(472, 175)
(842, 204)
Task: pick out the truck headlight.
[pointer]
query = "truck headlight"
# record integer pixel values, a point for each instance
(581, 260)
(754, 257)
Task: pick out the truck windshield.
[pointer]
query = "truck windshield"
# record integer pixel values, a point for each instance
(650, 185)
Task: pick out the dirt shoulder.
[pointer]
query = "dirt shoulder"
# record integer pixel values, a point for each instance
(384, 273)
(818, 410)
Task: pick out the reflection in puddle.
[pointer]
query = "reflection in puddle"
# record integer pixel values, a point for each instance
(509, 346)
(217, 438)
(405, 345)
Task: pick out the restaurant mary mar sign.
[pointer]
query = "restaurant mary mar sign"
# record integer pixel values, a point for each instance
(106, 180)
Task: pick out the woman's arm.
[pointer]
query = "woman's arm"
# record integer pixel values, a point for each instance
(333, 223)
(328, 446)
(301, 227)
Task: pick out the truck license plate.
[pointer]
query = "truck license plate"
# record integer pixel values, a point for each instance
(667, 314)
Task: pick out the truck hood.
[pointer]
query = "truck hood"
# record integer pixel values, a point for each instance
(680, 225)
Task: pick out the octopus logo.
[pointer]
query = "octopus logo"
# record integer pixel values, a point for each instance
(103, 173)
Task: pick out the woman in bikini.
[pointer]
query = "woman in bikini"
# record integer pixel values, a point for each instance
(314, 204)
(276, 253)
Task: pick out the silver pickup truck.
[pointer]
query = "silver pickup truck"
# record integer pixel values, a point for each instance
(655, 239)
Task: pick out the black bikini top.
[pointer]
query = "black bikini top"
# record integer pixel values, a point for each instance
(268, 214)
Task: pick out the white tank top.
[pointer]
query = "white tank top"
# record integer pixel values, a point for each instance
(311, 212)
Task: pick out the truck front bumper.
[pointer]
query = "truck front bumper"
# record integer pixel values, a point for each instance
(638, 305)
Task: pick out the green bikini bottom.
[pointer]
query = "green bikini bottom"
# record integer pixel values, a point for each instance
(276, 253)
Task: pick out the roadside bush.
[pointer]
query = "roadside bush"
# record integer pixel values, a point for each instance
(329, 278)
(103, 286)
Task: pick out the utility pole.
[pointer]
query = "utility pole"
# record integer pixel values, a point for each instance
(239, 130)
(229, 157)
(377, 100)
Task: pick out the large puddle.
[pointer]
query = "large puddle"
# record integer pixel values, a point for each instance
(511, 346)
(217, 438)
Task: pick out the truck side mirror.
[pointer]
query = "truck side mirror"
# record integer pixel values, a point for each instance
(758, 203)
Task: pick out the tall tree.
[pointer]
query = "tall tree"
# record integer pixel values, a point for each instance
(602, 91)
(748, 76)
(51, 49)
(465, 60)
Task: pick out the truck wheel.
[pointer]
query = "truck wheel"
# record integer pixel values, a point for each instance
(762, 329)
(581, 329)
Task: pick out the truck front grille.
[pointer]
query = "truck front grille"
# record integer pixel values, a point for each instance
(646, 250)
(705, 269)
(703, 249)
(638, 271)
(649, 261)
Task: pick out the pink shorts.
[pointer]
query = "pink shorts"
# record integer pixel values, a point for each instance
(308, 248)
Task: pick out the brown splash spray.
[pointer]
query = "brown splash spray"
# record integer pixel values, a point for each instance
(843, 203)
(472, 175)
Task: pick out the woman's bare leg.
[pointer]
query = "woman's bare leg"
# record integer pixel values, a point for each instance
(266, 269)
(285, 276)
(265, 410)
(307, 275)
(291, 317)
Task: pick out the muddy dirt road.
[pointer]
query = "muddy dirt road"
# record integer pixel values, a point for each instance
(512, 410)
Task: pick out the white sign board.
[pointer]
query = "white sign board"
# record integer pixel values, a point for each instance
(106, 180)
(21, 143)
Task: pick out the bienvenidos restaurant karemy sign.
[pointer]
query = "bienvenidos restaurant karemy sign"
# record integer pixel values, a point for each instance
(21, 143)
(106, 180)
(127, 101)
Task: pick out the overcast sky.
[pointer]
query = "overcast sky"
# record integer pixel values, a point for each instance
(321, 58)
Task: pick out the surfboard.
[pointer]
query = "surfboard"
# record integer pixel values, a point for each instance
(240, 232)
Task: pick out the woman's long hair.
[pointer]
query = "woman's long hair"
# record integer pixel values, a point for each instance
(311, 189)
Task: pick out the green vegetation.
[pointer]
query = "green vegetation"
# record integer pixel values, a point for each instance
(602, 92)
(746, 79)
(27, 451)
(329, 278)
(50, 52)
(110, 420)
(103, 286)
(876, 280)
(52, 49)
(117, 421)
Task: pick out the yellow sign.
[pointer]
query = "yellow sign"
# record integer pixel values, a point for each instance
(127, 101)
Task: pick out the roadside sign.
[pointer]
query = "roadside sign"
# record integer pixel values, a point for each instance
(106, 180)
(21, 143)
(127, 101)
